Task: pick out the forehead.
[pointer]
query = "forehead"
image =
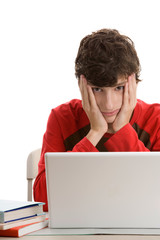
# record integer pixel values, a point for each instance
(120, 80)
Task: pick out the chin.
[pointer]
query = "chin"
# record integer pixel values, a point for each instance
(110, 119)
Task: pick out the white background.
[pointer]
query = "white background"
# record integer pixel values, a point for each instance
(38, 45)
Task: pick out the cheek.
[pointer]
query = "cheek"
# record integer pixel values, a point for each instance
(117, 101)
(120, 99)
(99, 99)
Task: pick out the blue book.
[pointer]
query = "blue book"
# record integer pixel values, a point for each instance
(11, 210)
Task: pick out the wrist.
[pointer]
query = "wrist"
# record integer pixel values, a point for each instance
(94, 136)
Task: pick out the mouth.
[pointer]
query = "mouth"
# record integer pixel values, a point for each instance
(110, 114)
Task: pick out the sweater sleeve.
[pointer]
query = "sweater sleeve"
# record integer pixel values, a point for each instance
(53, 141)
(156, 143)
(125, 140)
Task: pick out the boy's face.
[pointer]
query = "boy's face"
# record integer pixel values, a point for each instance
(110, 99)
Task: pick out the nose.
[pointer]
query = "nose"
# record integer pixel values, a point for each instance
(108, 101)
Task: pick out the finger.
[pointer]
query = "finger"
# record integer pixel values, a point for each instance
(126, 95)
(132, 89)
(91, 96)
(84, 91)
(133, 81)
(80, 82)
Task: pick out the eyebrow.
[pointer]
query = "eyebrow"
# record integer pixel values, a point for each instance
(119, 84)
(115, 85)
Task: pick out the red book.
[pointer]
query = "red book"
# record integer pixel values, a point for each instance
(24, 229)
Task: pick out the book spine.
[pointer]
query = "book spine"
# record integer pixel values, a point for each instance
(1, 217)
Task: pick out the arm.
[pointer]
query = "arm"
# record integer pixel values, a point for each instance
(128, 104)
(125, 140)
(98, 124)
(53, 141)
(125, 137)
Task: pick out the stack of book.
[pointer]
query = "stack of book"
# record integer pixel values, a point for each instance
(19, 218)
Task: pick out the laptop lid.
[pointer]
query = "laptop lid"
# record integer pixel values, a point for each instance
(103, 190)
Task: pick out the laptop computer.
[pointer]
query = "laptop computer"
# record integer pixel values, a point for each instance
(105, 190)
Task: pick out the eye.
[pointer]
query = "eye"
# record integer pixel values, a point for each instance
(120, 88)
(95, 89)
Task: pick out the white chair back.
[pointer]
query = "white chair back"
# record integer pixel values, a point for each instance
(32, 170)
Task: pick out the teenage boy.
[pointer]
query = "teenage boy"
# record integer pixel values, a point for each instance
(109, 117)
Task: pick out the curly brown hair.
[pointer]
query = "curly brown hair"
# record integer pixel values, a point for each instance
(106, 55)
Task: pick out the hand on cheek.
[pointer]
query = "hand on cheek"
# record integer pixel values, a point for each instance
(98, 123)
(128, 104)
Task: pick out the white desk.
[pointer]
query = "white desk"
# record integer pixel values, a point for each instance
(46, 234)
(90, 237)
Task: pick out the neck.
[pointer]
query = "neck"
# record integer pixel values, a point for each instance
(110, 128)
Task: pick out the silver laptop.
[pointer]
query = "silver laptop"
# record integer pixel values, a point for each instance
(103, 190)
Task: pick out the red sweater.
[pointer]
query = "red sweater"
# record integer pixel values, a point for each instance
(68, 125)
